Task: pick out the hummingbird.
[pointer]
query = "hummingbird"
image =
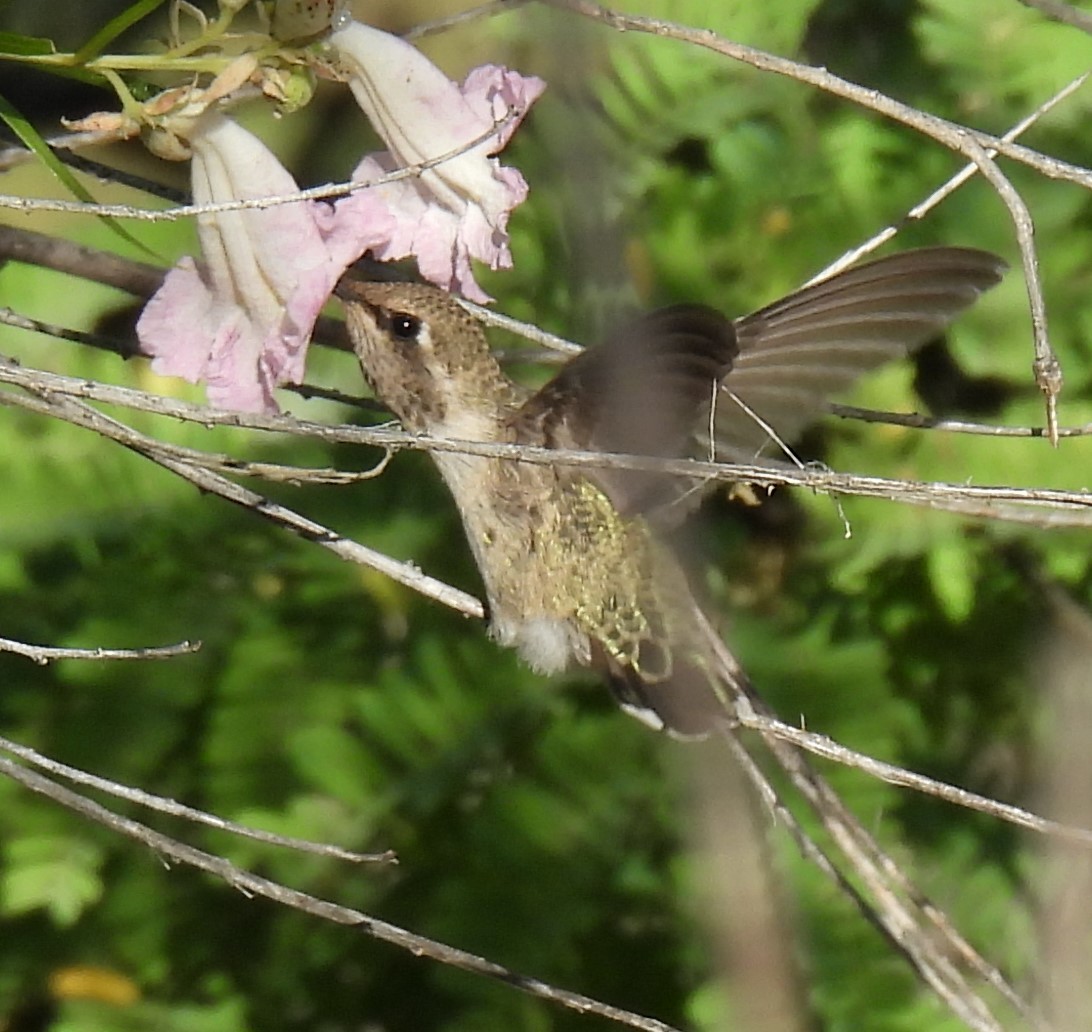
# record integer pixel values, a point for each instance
(573, 560)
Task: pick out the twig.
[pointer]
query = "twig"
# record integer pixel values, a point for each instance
(920, 210)
(1047, 369)
(26, 245)
(811, 852)
(949, 133)
(254, 885)
(1037, 506)
(897, 902)
(451, 21)
(916, 421)
(99, 341)
(972, 144)
(42, 654)
(175, 809)
(826, 747)
(215, 483)
(315, 193)
(1055, 10)
(526, 330)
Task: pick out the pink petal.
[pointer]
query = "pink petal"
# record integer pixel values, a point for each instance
(242, 320)
(459, 208)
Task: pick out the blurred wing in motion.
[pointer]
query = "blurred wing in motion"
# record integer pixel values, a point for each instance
(636, 394)
(798, 353)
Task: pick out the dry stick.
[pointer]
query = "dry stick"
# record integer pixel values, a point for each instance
(1064, 13)
(920, 210)
(316, 193)
(916, 421)
(899, 905)
(1020, 505)
(253, 885)
(746, 706)
(972, 144)
(99, 341)
(821, 745)
(936, 972)
(818, 744)
(526, 330)
(214, 483)
(1048, 371)
(42, 654)
(175, 809)
(931, 125)
(33, 248)
(886, 910)
(142, 280)
(811, 852)
(486, 10)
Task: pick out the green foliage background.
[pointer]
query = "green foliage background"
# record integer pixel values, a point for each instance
(534, 823)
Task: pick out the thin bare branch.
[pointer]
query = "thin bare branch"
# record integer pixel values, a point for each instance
(471, 14)
(42, 654)
(99, 341)
(942, 193)
(174, 809)
(896, 903)
(526, 330)
(821, 745)
(254, 885)
(972, 144)
(949, 133)
(217, 484)
(916, 421)
(1057, 11)
(316, 193)
(1037, 506)
(26, 245)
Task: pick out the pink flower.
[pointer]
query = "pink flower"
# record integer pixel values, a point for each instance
(455, 210)
(240, 321)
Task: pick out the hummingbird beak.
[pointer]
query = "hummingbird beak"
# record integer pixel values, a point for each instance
(348, 289)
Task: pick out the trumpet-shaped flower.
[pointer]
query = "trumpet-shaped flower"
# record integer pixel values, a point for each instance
(240, 320)
(456, 208)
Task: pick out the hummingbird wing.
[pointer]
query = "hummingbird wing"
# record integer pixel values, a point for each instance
(637, 394)
(648, 388)
(797, 353)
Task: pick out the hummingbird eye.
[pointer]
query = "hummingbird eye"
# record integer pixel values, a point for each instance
(404, 326)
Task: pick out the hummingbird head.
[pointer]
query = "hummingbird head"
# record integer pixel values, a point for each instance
(423, 354)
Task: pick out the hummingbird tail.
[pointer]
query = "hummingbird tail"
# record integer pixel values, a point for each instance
(693, 702)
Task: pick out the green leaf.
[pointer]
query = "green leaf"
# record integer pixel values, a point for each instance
(53, 872)
(114, 28)
(335, 761)
(34, 141)
(952, 571)
(27, 46)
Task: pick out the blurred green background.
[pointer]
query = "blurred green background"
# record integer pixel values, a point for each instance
(535, 824)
